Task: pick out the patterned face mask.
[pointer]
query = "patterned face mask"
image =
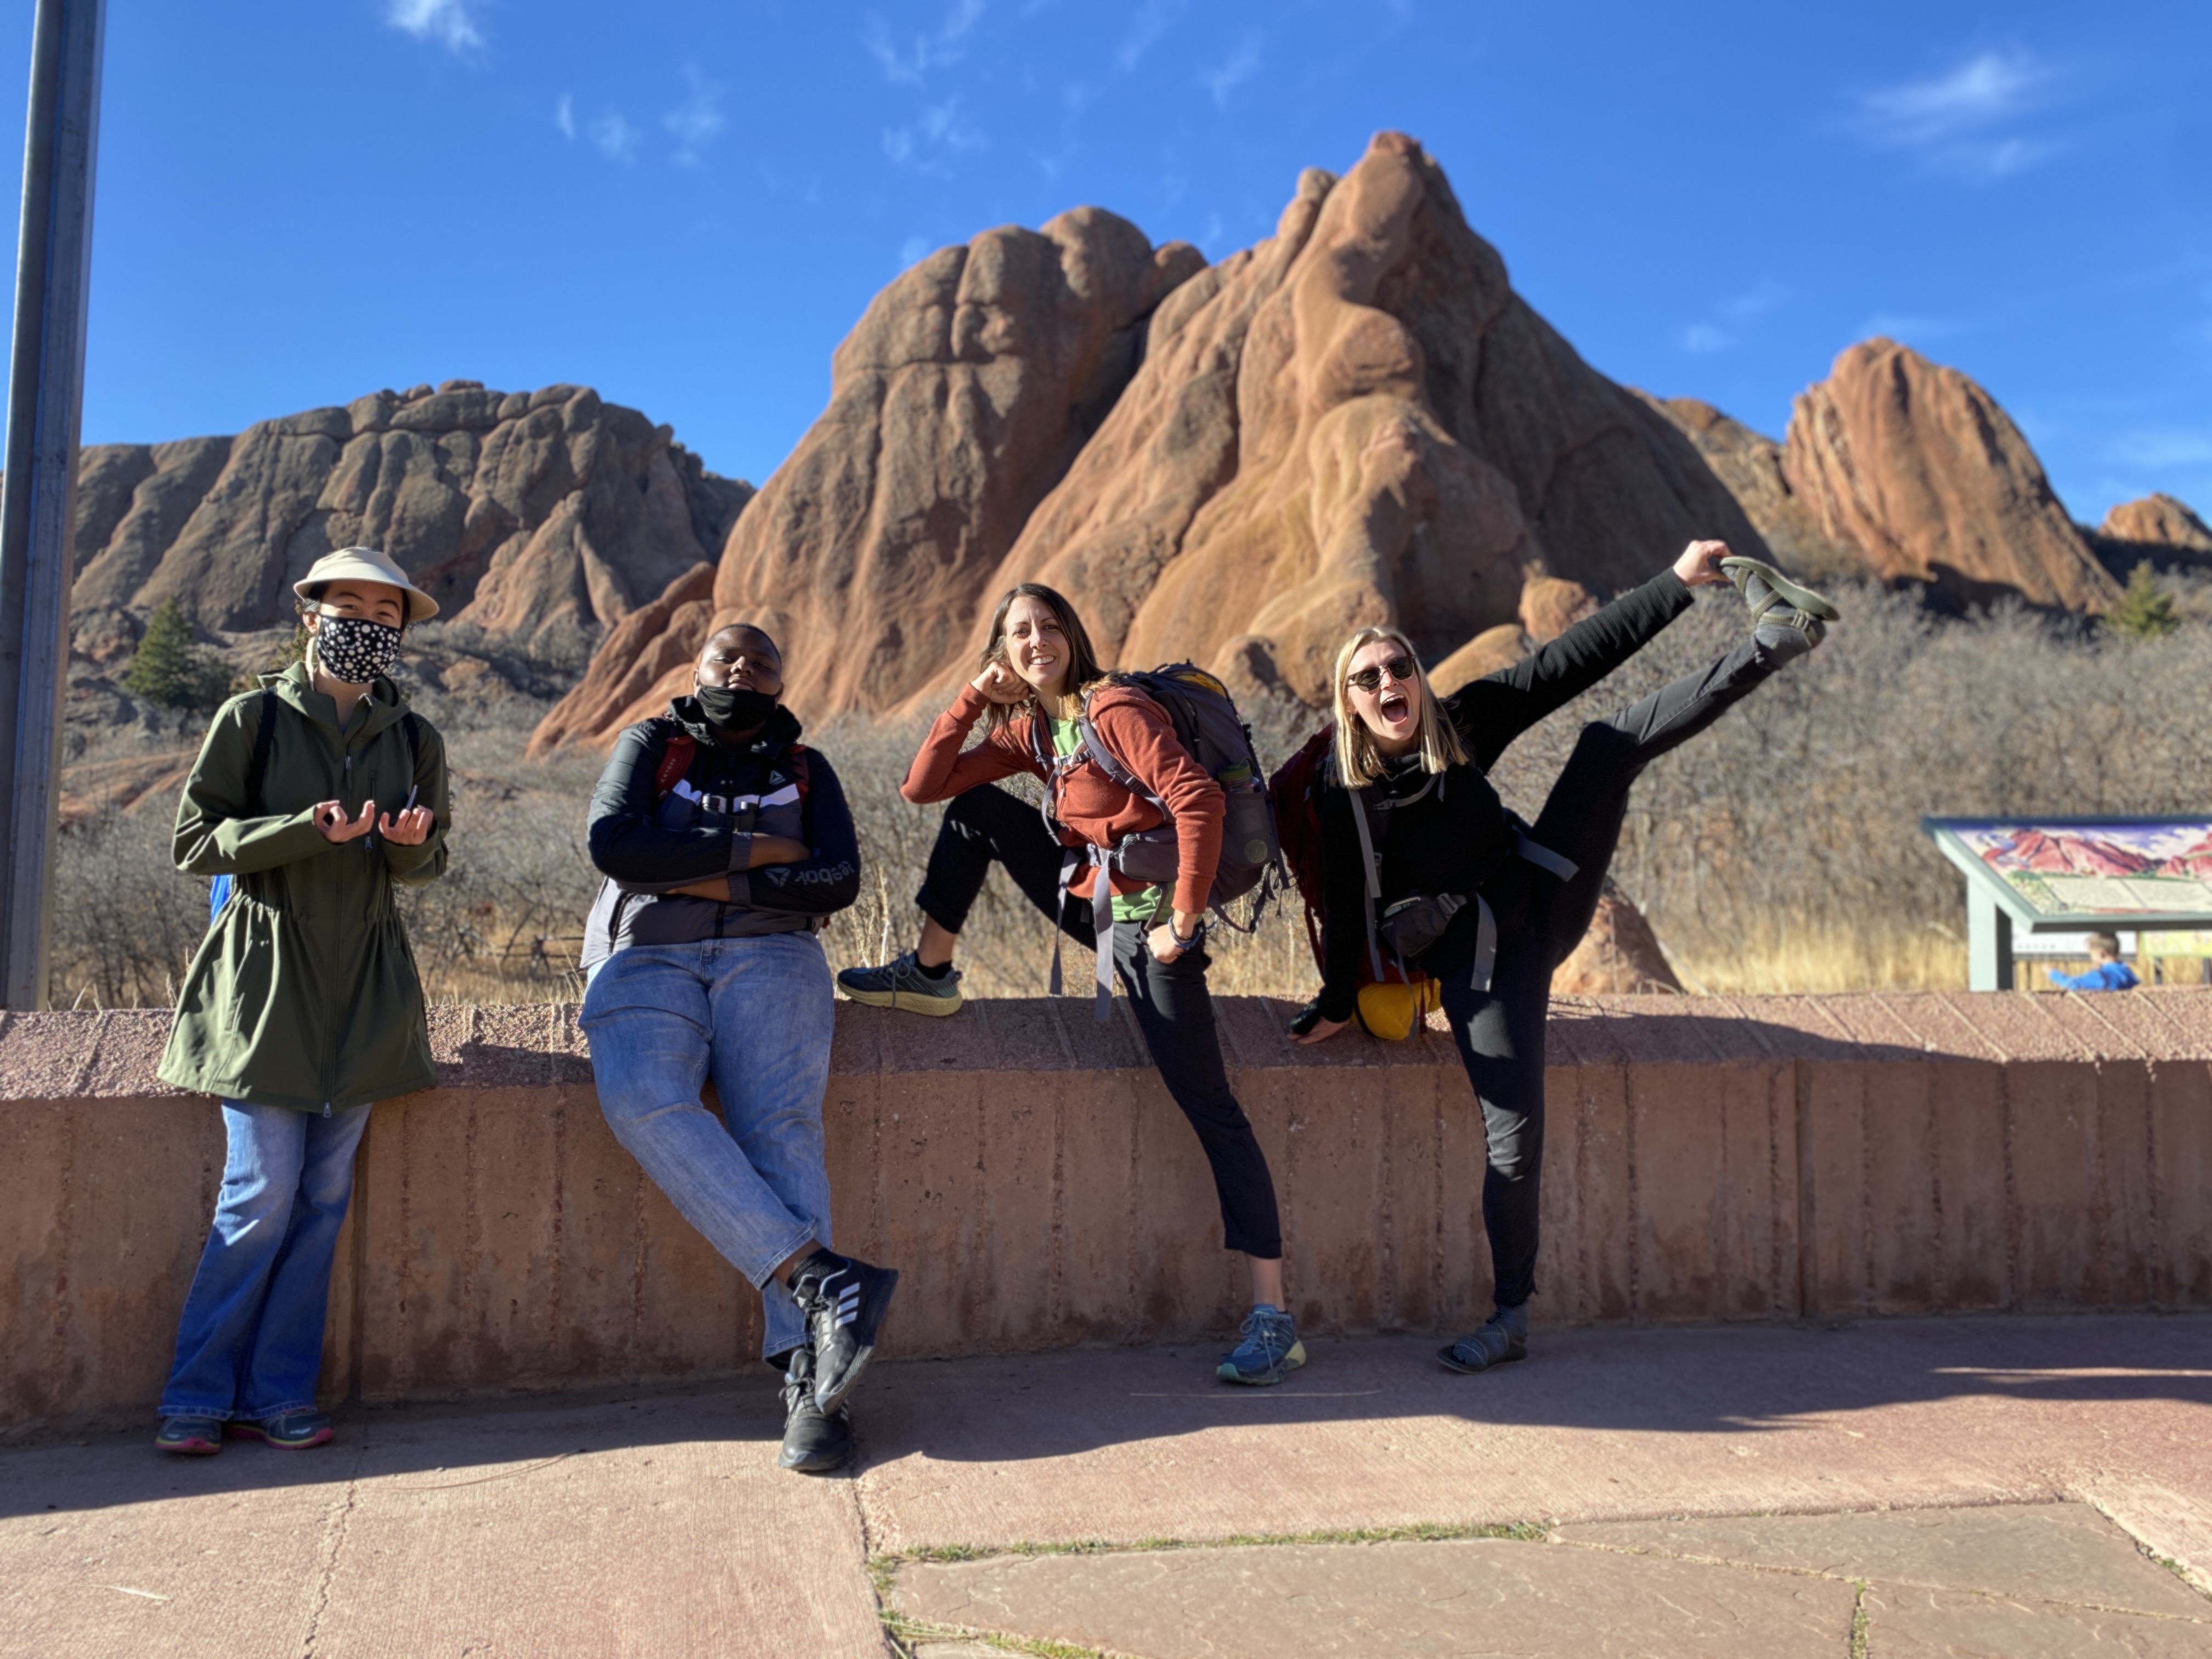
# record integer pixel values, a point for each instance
(356, 649)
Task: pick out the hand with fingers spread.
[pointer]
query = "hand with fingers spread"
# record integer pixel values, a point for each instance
(1701, 564)
(411, 827)
(331, 821)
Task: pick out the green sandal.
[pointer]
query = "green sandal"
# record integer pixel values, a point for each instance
(1779, 590)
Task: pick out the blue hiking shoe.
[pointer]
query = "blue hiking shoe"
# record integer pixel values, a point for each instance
(901, 983)
(1504, 1337)
(195, 1436)
(293, 1430)
(1269, 1351)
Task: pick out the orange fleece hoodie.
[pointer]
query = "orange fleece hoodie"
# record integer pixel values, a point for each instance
(1088, 806)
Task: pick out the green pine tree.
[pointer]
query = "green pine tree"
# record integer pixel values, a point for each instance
(170, 670)
(2146, 610)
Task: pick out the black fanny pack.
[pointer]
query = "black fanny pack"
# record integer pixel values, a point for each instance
(1409, 927)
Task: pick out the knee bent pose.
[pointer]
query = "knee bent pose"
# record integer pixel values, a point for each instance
(1423, 864)
(313, 797)
(1038, 680)
(726, 846)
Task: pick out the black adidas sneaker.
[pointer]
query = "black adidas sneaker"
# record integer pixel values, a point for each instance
(814, 1440)
(844, 1302)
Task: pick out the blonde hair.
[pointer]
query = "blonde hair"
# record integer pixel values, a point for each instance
(1358, 761)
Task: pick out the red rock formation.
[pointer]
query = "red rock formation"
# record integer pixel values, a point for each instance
(1750, 465)
(1485, 653)
(537, 519)
(2160, 521)
(1357, 420)
(1619, 955)
(1916, 468)
(1550, 606)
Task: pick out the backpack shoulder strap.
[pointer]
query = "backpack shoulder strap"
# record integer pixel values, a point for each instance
(265, 739)
(1095, 750)
(675, 761)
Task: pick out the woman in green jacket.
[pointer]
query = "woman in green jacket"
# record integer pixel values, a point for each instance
(314, 794)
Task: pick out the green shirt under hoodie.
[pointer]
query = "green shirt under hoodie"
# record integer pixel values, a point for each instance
(304, 992)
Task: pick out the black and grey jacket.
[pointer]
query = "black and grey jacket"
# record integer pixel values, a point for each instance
(647, 840)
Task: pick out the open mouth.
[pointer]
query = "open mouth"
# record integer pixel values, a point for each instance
(1394, 706)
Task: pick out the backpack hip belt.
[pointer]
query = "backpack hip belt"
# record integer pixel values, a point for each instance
(1486, 921)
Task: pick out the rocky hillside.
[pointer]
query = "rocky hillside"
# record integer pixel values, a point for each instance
(539, 520)
(1356, 419)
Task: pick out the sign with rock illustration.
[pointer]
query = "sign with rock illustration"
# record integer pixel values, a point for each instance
(2063, 875)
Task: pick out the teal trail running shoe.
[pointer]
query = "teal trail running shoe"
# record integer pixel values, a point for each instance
(1269, 1350)
(901, 984)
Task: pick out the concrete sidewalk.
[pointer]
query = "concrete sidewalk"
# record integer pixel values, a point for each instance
(2048, 1485)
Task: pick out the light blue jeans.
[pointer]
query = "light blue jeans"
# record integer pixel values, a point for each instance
(755, 1014)
(249, 1341)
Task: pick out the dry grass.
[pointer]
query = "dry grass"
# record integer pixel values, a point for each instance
(1778, 852)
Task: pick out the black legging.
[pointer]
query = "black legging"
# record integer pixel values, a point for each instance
(1541, 920)
(1174, 1009)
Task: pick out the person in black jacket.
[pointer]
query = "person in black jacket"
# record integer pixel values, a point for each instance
(726, 846)
(1423, 864)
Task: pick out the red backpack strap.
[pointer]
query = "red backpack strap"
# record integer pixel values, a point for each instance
(801, 774)
(675, 761)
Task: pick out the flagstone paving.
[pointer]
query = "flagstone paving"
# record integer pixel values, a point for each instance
(2015, 1486)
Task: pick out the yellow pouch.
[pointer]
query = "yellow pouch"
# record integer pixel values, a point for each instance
(1391, 1012)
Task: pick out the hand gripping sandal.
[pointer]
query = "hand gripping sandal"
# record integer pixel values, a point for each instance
(1786, 618)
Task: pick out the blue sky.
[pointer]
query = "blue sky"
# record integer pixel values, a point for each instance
(687, 204)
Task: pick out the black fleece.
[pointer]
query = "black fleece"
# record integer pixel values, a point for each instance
(1450, 833)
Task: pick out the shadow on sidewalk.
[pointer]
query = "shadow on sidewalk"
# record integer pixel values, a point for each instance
(1744, 1379)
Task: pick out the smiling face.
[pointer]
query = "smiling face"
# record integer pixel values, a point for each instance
(378, 601)
(1392, 710)
(1035, 645)
(742, 658)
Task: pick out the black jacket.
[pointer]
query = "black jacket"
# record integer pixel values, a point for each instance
(646, 844)
(1450, 833)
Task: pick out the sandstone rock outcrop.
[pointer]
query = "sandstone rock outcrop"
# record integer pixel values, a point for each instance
(2158, 520)
(959, 399)
(539, 521)
(1358, 421)
(1751, 465)
(1917, 469)
(1355, 420)
(1485, 653)
(1619, 955)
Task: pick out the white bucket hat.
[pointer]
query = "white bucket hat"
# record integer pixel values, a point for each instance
(366, 564)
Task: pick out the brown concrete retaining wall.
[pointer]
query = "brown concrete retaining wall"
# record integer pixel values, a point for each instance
(1708, 1159)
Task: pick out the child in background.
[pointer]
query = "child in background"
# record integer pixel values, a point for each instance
(2108, 974)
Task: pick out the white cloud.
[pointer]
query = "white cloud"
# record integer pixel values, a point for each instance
(938, 133)
(2155, 448)
(1956, 123)
(564, 117)
(1729, 320)
(912, 252)
(697, 120)
(615, 137)
(940, 49)
(447, 22)
(1241, 65)
(1154, 19)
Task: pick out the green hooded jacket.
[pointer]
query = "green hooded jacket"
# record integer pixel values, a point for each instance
(304, 992)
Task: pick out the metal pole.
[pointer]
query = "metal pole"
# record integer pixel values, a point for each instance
(38, 496)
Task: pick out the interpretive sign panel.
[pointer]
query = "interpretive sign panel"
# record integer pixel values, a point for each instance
(2053, 875)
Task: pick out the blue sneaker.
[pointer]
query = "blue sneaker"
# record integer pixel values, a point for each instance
(1269, 1351)
(901, 984)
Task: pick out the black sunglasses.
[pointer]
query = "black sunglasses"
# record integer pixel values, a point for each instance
(1401, 669)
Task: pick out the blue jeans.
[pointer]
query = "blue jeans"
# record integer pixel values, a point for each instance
(250, 1340)
(755, 1015)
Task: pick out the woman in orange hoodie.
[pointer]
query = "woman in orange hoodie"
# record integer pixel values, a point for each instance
(1038, 680)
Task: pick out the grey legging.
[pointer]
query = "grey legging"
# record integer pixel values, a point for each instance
(1541, 919)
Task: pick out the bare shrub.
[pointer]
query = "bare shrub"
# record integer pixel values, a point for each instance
(1780, 850)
